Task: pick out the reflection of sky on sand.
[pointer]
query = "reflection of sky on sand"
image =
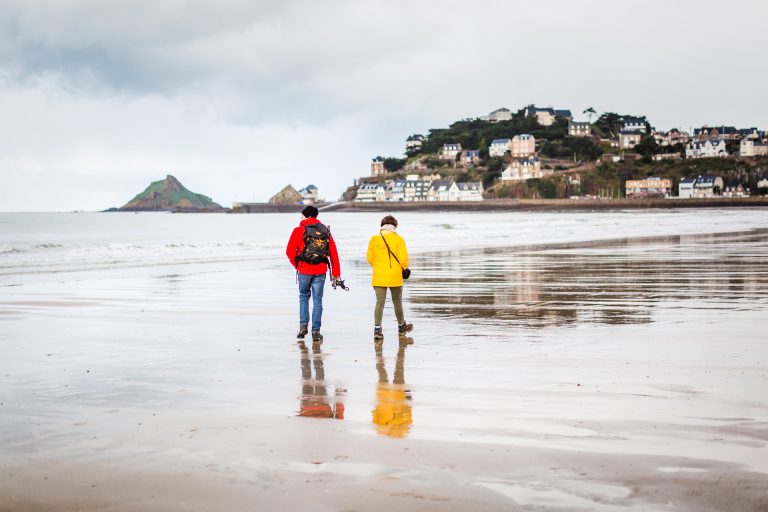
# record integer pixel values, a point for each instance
(622, 349)
(617, 282)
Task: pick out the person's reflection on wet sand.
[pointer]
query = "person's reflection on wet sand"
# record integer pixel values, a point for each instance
(393, 414)
(315, 402)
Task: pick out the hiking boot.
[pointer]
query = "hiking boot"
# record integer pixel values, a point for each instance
(302, 331)
(316, 336)
(378, 334)
(402, 329)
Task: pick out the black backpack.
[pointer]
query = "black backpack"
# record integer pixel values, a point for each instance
(317, 241)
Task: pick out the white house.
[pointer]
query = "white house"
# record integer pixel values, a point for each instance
(701, 187)
(439, 190)
(499, 147)
(370, 192)
(708, 186)
(502, 114)
(546, 116)
(414, 142)
(523, 169)
(629, 139)
(309, 194)
(737, 191)
(685, 188)
(710, 148)
(753, 147)
(579, 129)
(470, 190)
(450, 151)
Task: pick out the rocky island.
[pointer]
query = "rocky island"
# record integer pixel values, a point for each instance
(170, 195)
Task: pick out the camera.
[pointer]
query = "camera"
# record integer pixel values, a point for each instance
(339, 282)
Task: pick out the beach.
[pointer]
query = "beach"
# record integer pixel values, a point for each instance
(608, 361)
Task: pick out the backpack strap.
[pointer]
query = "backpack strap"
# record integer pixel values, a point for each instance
(391, 254)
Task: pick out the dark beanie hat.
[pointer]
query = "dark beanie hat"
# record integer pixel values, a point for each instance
(309, 211)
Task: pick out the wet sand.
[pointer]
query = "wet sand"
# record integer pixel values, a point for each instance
(611, 376)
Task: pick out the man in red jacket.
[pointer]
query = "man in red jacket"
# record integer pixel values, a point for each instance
(311, 264)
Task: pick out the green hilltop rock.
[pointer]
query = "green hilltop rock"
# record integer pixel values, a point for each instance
(170, 195)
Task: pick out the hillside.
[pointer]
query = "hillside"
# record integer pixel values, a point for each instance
(571, 165)
(170, 195)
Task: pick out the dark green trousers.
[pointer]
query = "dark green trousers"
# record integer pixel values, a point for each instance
(397, 301)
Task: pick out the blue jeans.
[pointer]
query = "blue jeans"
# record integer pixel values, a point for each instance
(311, 284)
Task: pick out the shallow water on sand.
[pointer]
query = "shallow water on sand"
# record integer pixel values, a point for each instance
(567, 336)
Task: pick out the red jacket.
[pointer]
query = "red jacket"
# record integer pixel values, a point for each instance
(296, 246)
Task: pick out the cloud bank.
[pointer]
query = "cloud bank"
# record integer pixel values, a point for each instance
(239, 98)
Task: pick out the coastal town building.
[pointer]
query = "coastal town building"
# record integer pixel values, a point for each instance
(671, 137)
(675, 136)
(652, 186)
(397, 190)
(579, 129)
(410, 190)
(708, 186)
(610, 158)
(723, 133)
(709, 148)
(377, 167)
(700, 187)
(736, 191)
(629, 139)
(450, 151)
(523, 145)
(418, 190)
(523, 169)
(443, 190)
(667, 156)
(498, 147)
(470, 190)
(470, 156)
(371, 192)
(501, 114)
(414, 142)
(546, 116)
(753, 147)
(633, 124)
(685, 188)
(309, 195)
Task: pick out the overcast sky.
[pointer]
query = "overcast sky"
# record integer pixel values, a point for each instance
(239, 98)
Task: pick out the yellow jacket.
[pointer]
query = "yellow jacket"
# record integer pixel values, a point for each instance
(386, 270)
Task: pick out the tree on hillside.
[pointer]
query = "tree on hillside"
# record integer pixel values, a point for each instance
(610, 124)
(392, 164)
(590, 111)
(647, 148)
(483, 147)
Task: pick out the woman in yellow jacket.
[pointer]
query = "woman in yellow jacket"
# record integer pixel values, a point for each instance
(388, 264)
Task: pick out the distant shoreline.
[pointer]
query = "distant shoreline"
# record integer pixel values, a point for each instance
(547, 205)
